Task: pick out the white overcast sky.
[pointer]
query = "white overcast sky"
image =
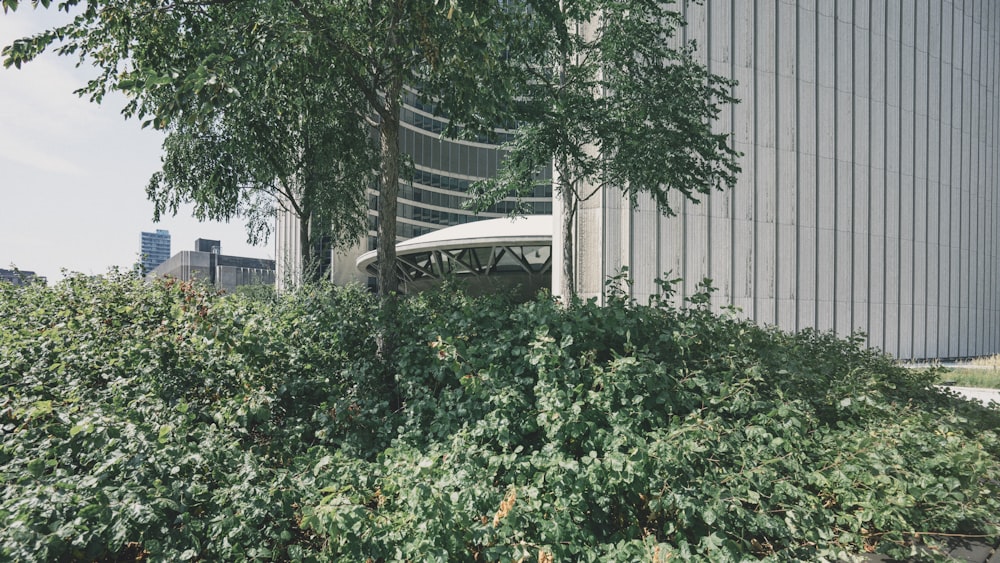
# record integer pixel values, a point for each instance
(73, 173)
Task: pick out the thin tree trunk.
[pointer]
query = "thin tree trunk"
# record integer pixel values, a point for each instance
(305, 251)
(388, 281)
(569, 207)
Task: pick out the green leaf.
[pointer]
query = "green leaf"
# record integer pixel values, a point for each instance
(164, 433)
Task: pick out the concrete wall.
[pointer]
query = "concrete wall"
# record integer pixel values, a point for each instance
(186, 265)
(869, 193)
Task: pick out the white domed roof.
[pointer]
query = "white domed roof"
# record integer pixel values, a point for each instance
(528, 230)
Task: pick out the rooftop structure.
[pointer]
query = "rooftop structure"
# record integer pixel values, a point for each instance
(510, 254)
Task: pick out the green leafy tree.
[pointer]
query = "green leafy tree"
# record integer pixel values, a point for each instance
(246, 163)
(292, 138)
(186, 61)
(615, 99)
(255, 117)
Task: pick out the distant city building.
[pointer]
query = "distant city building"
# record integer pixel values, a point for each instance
(155, 249)
(207, 264)
(20, 277)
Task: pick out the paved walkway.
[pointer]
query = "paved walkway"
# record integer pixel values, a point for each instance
(966, 551)
(977, 393)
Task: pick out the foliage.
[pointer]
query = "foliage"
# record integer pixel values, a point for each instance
(615, 100)
(161, 422)
(228, 78)
(292, 138)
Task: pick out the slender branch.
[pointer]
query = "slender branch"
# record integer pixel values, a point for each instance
(369, 89)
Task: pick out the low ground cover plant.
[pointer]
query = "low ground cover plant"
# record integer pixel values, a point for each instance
(163, 422)
(984, 377)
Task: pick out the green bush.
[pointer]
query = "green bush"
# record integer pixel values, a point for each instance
(166, 423)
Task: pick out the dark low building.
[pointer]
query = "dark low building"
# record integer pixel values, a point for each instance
(20, 277)
(206, 263)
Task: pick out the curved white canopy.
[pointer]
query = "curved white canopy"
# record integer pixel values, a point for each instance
(529, 230)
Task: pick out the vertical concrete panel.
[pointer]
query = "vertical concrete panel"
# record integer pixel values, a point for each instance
(743, 234)
(933, 304)
(670, 256)
(765, 231)
(843, 258)
(617, 215)
(743, 260)
(743, 266)
(991, 172)
(720, 240)
(877, 251)
(697, 29)
(786, 200)
(806, 44)
(765, 169)
(966, 151)
(920, 299)
(955, 268)
(892, 259)
(826, 243)
(718, 42)
(644, 262)
(876, 195)
(696, 252)
(860, 258)
(976, 199)
(807, 264)
(807, 208)
(843, 60)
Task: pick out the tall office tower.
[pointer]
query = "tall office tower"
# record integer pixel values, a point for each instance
(433, 198)
(870, 193)
(155, 249)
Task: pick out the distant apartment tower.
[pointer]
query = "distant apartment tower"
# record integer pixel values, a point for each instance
(431, 197)
(155, 249)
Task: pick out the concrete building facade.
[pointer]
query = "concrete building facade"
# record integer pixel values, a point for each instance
(207, 264)
(869, 198)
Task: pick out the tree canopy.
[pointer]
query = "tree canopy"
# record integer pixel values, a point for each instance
(201, 68)
(614, 99)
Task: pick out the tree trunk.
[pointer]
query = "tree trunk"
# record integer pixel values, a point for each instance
(305, 251)
(388, 280)
(569, 205)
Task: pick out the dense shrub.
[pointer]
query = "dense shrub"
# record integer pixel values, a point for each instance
(166, 423)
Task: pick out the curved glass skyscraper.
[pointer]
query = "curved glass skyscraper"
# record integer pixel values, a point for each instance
(432, 191)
